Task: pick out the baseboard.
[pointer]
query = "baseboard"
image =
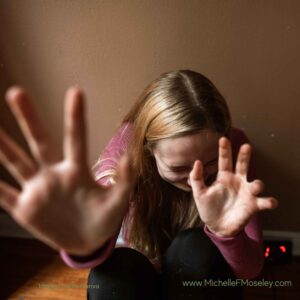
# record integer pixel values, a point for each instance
(9, 228)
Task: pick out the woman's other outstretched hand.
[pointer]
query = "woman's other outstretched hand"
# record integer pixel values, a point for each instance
(228, 204)
(59, 202)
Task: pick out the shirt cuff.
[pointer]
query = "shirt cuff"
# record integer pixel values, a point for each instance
(241, 252)
(90, 261)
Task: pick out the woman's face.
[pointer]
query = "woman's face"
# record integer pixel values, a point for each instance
(175, 157)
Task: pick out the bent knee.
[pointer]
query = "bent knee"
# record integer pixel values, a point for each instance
(193, 254)
(126, 274)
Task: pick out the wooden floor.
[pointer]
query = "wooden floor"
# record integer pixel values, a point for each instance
(30, 271)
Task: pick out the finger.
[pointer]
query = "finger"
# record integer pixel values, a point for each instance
(75, 136)
(256, 187)
(225, 155)
(197, 179)
(243, 160)
(126, 175)
(124, 181)
(15, 160)
(266, 203)
(8, 197)
(37, 136)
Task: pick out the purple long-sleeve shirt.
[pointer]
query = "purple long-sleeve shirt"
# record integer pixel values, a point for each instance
(243, 252)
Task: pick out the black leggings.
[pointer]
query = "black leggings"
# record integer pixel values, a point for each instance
(190, 259)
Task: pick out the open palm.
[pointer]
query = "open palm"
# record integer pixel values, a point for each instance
(228, 204)
(59, 201)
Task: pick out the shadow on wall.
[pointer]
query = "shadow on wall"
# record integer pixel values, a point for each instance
(287, 202)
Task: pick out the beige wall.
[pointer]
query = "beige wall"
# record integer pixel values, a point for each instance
(113, 48)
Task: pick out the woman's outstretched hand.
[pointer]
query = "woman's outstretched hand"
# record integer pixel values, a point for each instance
(227, 205)
(59, 201)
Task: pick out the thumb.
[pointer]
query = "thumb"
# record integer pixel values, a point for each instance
(125, 178)
(125, 172)
(196, 179)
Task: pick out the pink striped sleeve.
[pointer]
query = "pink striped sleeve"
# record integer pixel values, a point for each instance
(108, 160)
(243, 252)
(113, 151)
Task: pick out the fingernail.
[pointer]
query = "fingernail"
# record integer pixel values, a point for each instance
(14, 92)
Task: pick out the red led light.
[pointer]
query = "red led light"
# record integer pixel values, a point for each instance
(282, 249)
(267, 253)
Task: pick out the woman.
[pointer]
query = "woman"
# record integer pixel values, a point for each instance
(179, 201)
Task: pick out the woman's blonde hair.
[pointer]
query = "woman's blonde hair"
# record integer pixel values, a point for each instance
(178, 103)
